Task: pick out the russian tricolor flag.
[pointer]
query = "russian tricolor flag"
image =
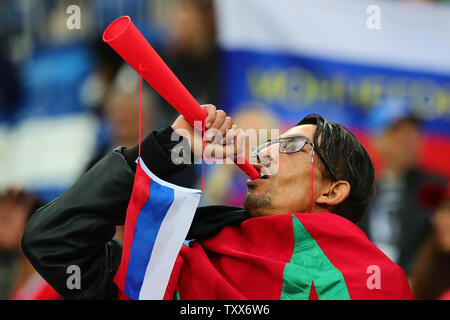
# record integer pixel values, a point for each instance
(158, 218)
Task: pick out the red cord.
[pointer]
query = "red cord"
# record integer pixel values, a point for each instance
(140, 129)
(140, 112)
(312, 181)
(203, 149)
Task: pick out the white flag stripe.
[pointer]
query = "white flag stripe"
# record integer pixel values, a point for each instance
(165, 183)
(413, 37)
(169, 240)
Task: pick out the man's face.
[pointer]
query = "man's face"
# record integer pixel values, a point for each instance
(401, 146)
(442, 226)
(123, 113)
(288, 190)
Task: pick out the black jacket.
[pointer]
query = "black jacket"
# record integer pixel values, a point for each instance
(414, 218)
(78, 227)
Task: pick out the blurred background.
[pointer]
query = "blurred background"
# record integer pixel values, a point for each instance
(382, 69)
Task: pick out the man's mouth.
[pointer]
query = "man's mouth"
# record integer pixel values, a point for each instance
(261, 179)
(263, 172)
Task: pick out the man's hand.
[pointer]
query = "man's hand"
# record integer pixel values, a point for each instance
(15, 208)
(221, 135)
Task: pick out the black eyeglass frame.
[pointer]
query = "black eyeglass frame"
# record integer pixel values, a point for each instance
(284, 141)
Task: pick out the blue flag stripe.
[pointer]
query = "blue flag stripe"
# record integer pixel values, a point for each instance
(146, 230)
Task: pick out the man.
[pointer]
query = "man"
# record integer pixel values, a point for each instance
(269, 250)
(399, 219)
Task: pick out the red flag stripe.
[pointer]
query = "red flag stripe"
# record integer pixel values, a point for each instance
(139, 196)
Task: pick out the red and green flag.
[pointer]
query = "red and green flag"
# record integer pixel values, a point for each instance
(289, 256)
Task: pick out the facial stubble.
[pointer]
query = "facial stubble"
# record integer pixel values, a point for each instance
(253, 201)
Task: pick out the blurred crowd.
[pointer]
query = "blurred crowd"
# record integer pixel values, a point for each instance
(409, 219)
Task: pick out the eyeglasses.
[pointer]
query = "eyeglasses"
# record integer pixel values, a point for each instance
(288, 145)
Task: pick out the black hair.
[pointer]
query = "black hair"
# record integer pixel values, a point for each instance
(411, 120)
(348, 160)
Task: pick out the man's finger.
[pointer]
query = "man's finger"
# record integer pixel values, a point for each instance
(231, 134)
(210, 114)
(213, 135)
(219, 119)
(213, 132)
(226, 125)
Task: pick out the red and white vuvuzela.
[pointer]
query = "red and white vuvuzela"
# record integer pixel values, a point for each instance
(123, 36)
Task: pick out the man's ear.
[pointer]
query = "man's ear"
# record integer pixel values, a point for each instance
(335, 194)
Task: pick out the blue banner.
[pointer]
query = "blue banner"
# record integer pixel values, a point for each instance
(295, 85)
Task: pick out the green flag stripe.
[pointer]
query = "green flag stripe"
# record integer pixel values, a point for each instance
(309, 264)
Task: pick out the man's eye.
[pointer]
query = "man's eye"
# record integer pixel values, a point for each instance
(292, 146)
